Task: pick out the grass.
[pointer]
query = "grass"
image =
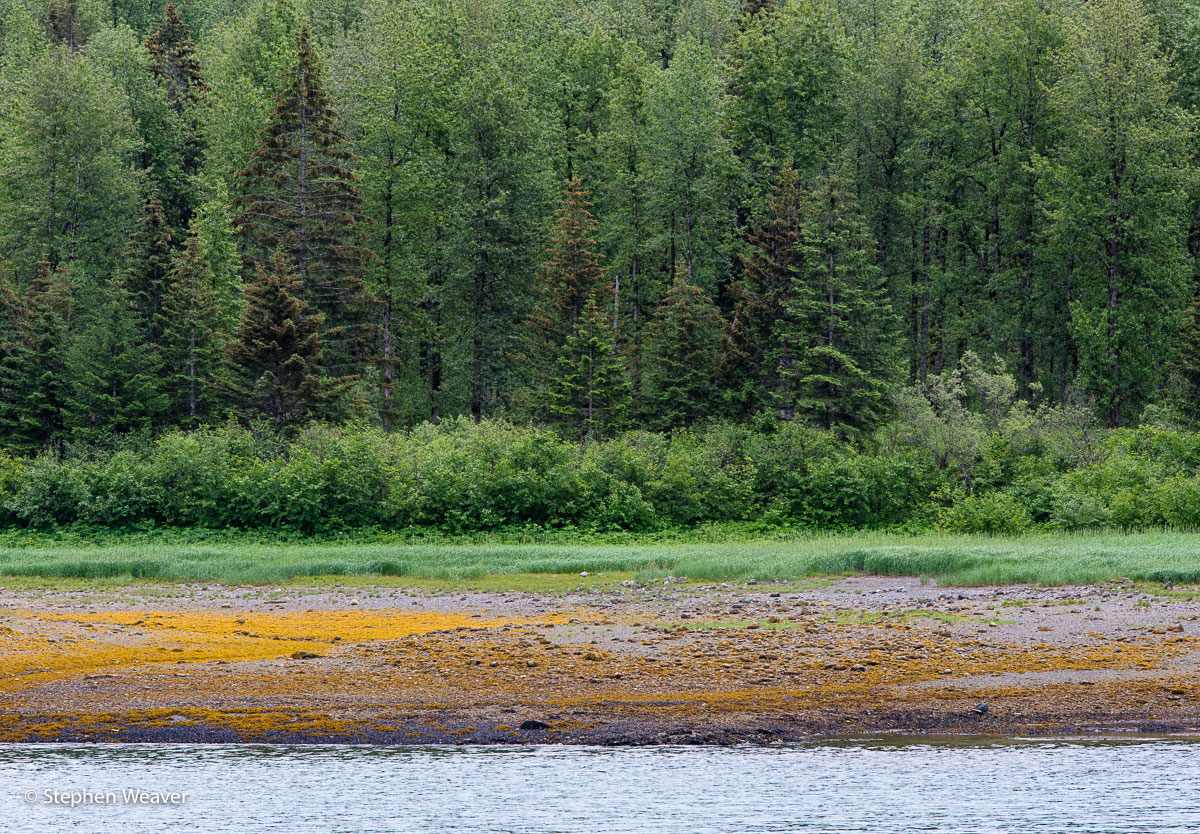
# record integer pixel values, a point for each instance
(1049, 559)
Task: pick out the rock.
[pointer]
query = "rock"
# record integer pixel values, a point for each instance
(1176, 627)
(301, 654)
(581, 573)
(858, 667)
(980, 709)
(534, 724)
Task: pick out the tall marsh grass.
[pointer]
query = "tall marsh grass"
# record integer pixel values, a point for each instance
(1050, 559)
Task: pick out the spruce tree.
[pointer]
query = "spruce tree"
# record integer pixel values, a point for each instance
(174, 63)
(683, 358)
(33, 373)
(298, 196)
(590, 393)
(115, 374)
(571, 279)
(145, 279)
(193, 339)
(68, 23)
(173, 59)
(1187, 365)
(12, 312)
(276, 359)
(840, 328)
(770, 277)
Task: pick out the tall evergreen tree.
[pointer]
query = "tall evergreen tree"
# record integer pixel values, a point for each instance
(193, 339)
(174, 63)
(33, 374)
(276, 360)
(1187, 365)
(173, 59)
(12, 312)
(115, 374)
(683, 358)
(571, 279)
(145, 279)
(840, 328)
(298, 196)
(771, 275)
(589, 395)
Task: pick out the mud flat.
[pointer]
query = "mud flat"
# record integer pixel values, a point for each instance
(622, 662)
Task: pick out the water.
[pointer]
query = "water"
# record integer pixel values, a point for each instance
(862, 786)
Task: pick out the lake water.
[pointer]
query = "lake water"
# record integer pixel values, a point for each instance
(860, 786)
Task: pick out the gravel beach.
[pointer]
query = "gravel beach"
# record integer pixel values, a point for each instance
(665, 661)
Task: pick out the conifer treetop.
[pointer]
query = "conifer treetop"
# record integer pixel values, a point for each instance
(173, 59)
(299, 196)
(571, 278)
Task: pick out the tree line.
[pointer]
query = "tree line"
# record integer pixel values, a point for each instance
(595, 215)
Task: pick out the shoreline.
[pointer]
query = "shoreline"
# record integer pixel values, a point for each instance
(626, 663)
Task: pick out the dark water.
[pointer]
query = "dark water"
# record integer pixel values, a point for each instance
(919, 785)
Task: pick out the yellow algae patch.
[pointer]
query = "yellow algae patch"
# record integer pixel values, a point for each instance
(83, 643)
(248, 724)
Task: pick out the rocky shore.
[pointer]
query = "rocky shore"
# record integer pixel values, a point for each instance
(669, 661)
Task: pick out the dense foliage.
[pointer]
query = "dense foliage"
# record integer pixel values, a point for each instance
(593, 215)
(1004, 471)
(599, 263)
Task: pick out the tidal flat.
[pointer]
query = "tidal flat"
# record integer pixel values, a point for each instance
(602, 659)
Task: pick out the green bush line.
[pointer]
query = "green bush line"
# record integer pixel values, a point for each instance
(462, 479)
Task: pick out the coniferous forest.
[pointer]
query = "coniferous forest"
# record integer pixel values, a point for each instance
(828, 262)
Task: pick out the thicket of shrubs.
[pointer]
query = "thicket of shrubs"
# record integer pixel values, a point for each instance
(963, 453)
(1014, 470)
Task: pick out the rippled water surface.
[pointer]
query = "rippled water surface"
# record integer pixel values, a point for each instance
(920, 785)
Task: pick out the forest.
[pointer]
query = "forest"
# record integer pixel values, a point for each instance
(650, 242)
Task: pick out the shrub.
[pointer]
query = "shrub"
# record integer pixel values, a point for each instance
(462, 477)
(990, 512)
